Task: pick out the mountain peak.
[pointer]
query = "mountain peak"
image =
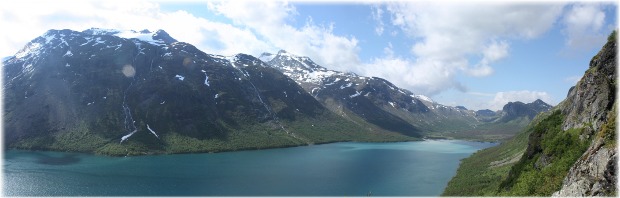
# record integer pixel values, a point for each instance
(539, 101)
(293, 61)
(516, 109)
(163, 36)
(156, 37)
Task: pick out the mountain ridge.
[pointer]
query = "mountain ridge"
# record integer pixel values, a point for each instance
(117, 92)
(337, 90)
(92, 91)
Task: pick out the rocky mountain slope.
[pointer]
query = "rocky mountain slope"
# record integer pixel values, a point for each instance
(569, 151)
(591, 105)
(139, 92)
(514, 110)
(128, 92)
(386, 106)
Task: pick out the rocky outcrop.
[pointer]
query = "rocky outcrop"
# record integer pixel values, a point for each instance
(593, 96)
(593, 176)
(589, 105)
(514, 110)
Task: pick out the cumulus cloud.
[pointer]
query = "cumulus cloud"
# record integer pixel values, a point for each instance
(584, 26)
(269, 20)
(448, 36)
(424, 76)
(28, 19)
(525, 96)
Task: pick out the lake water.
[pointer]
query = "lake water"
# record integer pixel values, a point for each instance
(339, 169)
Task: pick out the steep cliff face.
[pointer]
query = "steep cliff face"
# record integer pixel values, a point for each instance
(572, 152)
(594, 95)
(594, 174)
(591, 104)
(569, 151)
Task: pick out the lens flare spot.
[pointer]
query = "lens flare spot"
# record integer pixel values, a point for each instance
(187, 61)
(129, 71)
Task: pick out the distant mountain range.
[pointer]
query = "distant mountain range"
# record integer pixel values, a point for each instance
(384, 105)
(140, 92)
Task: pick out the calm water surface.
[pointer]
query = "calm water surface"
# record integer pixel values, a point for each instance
(339, 169)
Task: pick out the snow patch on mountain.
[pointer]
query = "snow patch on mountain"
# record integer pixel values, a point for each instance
(357, 93)
(143, 35)
(33, 49)
(345, 86)
(423, 97)
(69, 53)
(153, 132)
(128, 135)
(179, 77)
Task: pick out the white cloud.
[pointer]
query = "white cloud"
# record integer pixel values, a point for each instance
(269, 21)
(491, 53)
(495, 51)
(257, 27)
(584, 26)
(427, 77)
(377, 15)
(525, 96)
(22, 21)
(447, 36)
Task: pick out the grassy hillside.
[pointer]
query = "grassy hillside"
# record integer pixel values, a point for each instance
(495, 131)
(545, 164)
(481, 173)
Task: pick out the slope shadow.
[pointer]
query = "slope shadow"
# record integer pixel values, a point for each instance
(65, 159)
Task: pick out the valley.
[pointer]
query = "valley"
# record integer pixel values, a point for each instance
(129, 93)
(121, 93)
(297, 98)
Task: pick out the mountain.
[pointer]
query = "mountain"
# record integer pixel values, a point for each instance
(569, 151)
(386, 106)
(138, 92)
(117, 92)
(514, 110)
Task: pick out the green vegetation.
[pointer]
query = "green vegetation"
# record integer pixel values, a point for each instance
(550, 155)
(612, 36)
(495, 131)
(77, 139)
(512, 170)
(481, 173)
(608, 130)
(325, 128)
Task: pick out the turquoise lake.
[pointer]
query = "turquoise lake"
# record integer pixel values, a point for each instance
(338, 169)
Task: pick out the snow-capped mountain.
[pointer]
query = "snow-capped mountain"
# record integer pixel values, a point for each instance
(134, 92)
(130, 92)
(361, 95)
(377, 101)
(314, 77)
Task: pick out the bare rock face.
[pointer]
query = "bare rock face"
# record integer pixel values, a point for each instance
(591, 104)
(594, 95)
(593, 175)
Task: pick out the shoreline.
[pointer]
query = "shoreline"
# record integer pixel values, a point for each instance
(243, 149)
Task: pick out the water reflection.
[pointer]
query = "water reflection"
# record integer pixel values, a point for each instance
(65, 159)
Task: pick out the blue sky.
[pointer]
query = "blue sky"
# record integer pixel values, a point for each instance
(476, 54)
